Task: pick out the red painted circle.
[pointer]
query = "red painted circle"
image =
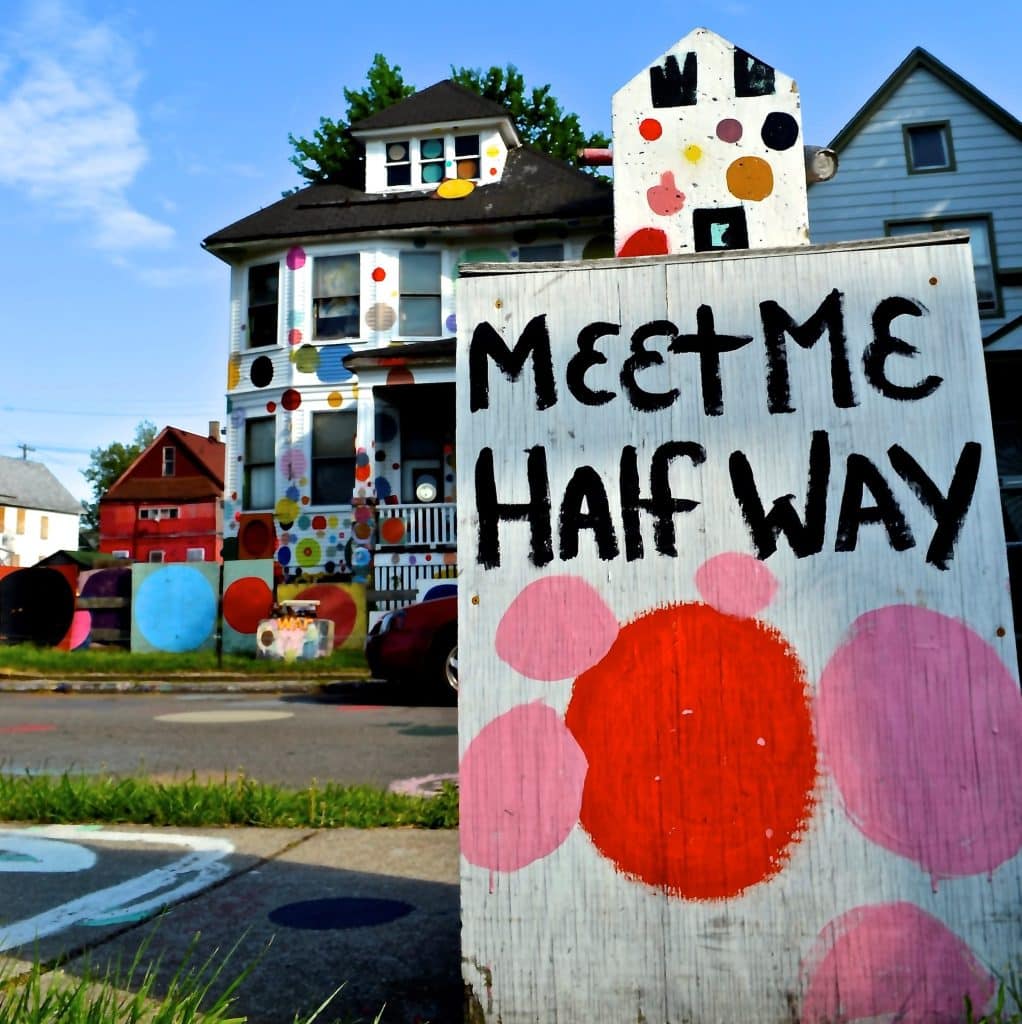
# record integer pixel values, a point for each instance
(392, 530)
(379, 274)
(334, 603)
(650, 129)
(702, 760)
(291, 399)
(319, 522)
(363, 472)
(246, 602)
(270, 407)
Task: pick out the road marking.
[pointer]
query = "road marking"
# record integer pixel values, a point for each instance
(133, 900)
(223, 717)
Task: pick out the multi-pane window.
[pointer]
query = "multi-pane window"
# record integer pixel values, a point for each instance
(419, 306)
(928, 147)
(335, 296)
(258, 483)
(263, 287)
(431, 161)
(466, 156)
(541, 253)
(979, 229)
(333, 458)
(156, 514)
(399, 163)
(195, 555)
(168, 460)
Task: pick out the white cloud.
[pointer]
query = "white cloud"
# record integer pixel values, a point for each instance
(69, 136)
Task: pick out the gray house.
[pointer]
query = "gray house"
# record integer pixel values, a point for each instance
(38, 515)
(928, 152)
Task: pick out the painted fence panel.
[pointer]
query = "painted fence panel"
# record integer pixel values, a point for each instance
(740, 725)
(248, 599)
(174, 607)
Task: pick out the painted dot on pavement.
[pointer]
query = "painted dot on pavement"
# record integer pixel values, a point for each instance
(729, 130)
(223, 717)
(650, 129)
(339, 912)
(751, 178)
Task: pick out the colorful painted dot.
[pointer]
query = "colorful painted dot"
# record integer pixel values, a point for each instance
(729, 130)
(295, 258)
(751, 178)
(303, 522)
(331, 368)
(286, 511)
(451, 323)
(284, 555)
(780, 131)
(380, 317)
(334, 400)
(319, 522)
(650, 129)
(246, 602)
(400, 375)
(693, 154)
(291, 399)
(363, 473)
(455, 188)
(306, 359)
(294, 336)
(271, 406)
(261, 372)
(736, 584)
(308, 553)
(392, 530)
(379, 274)
(233, 371)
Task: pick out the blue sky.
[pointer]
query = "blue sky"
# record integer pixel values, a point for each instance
(129, 132)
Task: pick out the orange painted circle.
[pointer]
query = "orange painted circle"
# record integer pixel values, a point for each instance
(749, 177)
(247, 602)
(363, 472)
(362, 531)
(400, 375)
(702, 761)
(392, 530)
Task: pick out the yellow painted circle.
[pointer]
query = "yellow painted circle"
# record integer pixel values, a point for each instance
(334, 400)
(455, 188)
(233, 371)
(223, 717)
(749, 177)
(693, 153)
(287, 510)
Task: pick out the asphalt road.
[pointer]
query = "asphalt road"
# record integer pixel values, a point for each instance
(360, 734)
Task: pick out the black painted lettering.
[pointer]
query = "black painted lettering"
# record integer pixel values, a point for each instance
(491, 512)
(641, 359)
(948, 511)
(777, 323)
(487, 344)
(586, 487)
(587, 357)
(709, 345)
(884, 344)
(862, 475)
(661, 504)
(805, 535)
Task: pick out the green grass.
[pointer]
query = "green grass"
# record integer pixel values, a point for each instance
(1007, 1006)
(46, 662)
(39, 996)
(78, 799)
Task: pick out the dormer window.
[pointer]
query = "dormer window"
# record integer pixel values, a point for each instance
(425, 162)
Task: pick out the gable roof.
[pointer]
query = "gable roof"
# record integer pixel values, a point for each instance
(441, 103)
(27, 484)
(533, 187)
(920, 58)
(208, 454)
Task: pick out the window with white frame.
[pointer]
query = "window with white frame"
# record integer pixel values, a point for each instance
(928, 147)
(257, 491)
(156, 556)
(157, 514)
(980, 231)
(418, 162)
(263, 289)
(336, 287)
(120, 553)
(419, 303)
(333, 458)
(195, 555)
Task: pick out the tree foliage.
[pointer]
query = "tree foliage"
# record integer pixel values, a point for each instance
(107, 464)
(333, 156)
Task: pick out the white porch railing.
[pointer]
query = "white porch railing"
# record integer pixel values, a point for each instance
(427, 526)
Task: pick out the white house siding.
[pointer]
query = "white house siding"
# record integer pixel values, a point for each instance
(873, 185)
(29, 546)
(318, 537)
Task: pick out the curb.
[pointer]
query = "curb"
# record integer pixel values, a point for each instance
(196, 684)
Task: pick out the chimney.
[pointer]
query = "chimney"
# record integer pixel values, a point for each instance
(214, 430)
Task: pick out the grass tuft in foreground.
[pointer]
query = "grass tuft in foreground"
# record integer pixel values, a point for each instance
(78, 799)
(1007, 1005)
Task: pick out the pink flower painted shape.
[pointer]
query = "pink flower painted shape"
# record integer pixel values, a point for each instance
(665, 198)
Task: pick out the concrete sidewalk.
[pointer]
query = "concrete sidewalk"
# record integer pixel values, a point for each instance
(376, 910)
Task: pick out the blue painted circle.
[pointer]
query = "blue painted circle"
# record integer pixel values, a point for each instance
(383, 488)
(284, 555)
(361, 557)
(451, 323)
(331, 369)
(339, 913)
(175, 608)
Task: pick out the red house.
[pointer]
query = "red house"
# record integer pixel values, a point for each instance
(167, 506)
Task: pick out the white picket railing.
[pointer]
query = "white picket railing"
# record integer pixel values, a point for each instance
(428, 526)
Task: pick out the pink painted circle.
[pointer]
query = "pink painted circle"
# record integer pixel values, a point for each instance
(736, 584)
(294, 336)
(920, 723)
(81, 626)
(521, 785)
(295, 258)
(556, 628)
(892, 961)
(729, 130)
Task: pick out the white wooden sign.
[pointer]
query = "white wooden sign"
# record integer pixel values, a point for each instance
(740, 725)
(708, 153)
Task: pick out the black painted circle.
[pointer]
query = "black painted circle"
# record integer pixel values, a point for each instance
(339, 913)
(261, 372)
(780, 131)
(36, 606)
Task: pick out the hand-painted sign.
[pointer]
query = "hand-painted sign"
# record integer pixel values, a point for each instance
(740, 719)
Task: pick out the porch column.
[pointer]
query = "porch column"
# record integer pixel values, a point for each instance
(363, 500)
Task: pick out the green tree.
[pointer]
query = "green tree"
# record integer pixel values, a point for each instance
(107, 464)
(332, 156)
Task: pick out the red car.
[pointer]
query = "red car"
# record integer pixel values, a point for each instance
(421, 641)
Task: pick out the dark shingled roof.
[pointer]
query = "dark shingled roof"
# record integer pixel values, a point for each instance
(27, 484)
(534, 187)
(444, 102)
